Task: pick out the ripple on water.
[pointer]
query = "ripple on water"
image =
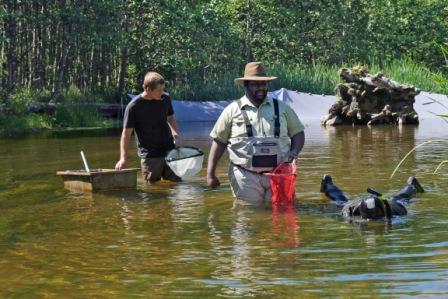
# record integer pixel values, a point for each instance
(183, 240)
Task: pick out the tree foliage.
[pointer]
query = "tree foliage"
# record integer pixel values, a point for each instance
(108, 45)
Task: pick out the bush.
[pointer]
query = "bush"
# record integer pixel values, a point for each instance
(20, 123)
(80, 115)
(19, 100)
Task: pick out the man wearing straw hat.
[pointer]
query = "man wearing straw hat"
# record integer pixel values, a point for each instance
(151, 116)
(259, 132)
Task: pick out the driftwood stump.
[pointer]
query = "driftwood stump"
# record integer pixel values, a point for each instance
(367, 99)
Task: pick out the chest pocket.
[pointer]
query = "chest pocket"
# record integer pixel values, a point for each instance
(238, 127)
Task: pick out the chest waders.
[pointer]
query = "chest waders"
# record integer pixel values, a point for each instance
(259, 154)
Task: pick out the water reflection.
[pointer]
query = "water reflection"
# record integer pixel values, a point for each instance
(125, 215)
(234, 268)
(242, 263)
(187, 202)
(180, 240)
(369, 145)
(371, 229)
(241, 267)
(285, 227)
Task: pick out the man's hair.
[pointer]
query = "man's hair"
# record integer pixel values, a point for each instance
(152, 80)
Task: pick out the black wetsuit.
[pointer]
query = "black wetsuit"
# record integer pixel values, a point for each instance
(372, 206)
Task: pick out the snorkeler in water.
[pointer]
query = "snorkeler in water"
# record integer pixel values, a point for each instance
(373, 206)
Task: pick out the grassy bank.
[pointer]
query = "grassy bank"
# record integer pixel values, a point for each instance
(317, 79)
(15, 118)
(63, 118)
(74, 112)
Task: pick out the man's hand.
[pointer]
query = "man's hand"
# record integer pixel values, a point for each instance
(292, 156)
(212, 181)
(124, 142)
(120, 164)
(216, 151)
(178, 140)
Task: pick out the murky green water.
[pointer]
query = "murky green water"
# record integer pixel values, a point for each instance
(186, 241)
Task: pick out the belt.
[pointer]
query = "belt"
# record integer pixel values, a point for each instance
(241, 167)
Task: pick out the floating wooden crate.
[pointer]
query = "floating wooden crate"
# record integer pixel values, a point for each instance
(99, 179)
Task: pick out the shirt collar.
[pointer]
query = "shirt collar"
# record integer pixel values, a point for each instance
(246, 102)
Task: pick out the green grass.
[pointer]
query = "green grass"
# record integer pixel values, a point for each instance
(77, 110)
(317, 79)
(79, 116)
(418, 75)
(20, 123)
(63, 117)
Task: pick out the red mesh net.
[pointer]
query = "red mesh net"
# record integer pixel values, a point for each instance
(282, 180)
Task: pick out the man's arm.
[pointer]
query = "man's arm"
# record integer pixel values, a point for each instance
(174, 131)
(297, 143)
(124, 145)
(216, 151)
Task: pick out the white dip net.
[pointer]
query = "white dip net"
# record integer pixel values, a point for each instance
(185, 161)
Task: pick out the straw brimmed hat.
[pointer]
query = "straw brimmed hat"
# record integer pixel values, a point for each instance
(254, 71)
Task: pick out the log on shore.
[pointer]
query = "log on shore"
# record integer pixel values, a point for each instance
(371, 99)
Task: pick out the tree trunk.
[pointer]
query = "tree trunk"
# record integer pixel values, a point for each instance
(11, 53)
(61, 63)
(58, 81)
(123, 59)
(248, 36)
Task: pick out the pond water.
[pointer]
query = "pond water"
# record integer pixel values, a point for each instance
(186, 241)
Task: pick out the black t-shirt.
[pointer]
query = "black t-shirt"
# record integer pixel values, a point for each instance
(149, 120)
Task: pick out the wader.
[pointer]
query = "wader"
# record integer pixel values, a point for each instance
(259, 154)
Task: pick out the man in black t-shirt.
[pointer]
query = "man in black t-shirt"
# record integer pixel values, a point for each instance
(151, 116)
